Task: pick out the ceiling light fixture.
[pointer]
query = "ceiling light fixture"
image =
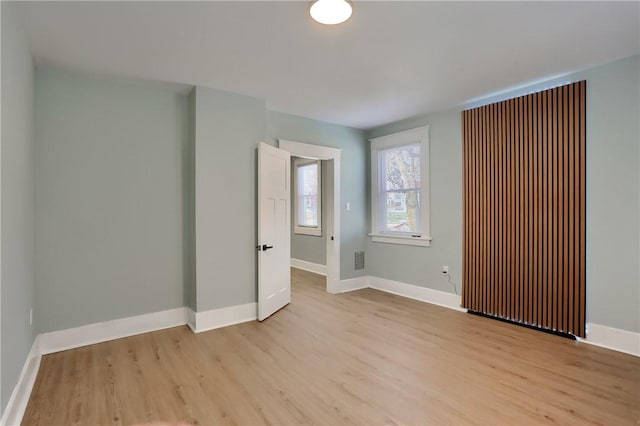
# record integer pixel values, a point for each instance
(330, 12)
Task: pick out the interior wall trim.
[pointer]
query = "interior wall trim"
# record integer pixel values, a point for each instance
(223, 317)
(76, 337)
(612, 338)
(316, 268)
(352, 284)
(423, 294)
(411, 291)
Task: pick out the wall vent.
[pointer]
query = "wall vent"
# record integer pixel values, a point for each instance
(359, 260)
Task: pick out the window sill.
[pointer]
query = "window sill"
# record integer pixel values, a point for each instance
(404, 240)
(314, 232)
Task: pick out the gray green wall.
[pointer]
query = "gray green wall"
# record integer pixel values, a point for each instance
(353, 174)
(613, 194)
(613, 191)
(109, 196)
(18, 202)
(228, 128)
(310, 248)
(423, 265)
(147, 198)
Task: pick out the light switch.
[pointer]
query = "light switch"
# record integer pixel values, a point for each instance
(348, 207)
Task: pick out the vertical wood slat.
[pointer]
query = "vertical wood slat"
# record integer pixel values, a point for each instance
(476, 210)
(533, 208)
(554, 206)
(546, 238)
(524, 208)
(565, 208)
(559, 204)
(530, 230)
(582, 208)
(494, 236)
(465, 206)
(473, 236)
(517, 261)
(571, 195)
(539, 208)
(511, 233)
(502, 206)
(480, 199)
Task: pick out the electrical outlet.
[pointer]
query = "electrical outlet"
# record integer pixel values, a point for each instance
(31, 316)
(445, 269)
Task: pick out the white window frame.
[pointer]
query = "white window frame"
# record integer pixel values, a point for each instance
(297, 228)
(419, 135)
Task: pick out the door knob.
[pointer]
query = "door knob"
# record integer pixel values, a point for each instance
(264, 247)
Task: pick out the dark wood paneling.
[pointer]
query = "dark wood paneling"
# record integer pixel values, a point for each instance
(524, 183)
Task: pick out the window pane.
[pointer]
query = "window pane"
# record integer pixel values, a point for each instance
(308, 211)
(308, 195)
(400, 184)
(401, 167)
(308, 179)
(402, 211)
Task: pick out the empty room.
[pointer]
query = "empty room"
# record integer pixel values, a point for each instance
(320, 212)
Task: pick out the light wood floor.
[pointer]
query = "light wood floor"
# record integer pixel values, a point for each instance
(359, 358)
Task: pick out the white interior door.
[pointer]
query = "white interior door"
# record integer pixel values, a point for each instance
(274, 229)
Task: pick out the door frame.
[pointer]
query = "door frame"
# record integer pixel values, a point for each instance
(319, 152)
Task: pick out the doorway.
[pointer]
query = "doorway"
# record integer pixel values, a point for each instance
(331, 159)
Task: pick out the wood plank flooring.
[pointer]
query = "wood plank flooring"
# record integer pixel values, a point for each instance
(364, 357)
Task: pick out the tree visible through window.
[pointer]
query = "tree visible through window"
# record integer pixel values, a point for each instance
(401, 176)
(399, 191)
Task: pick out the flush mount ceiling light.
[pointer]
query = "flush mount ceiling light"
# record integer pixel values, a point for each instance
(330, 12)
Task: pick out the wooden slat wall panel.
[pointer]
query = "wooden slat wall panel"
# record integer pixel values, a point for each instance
(524, 178)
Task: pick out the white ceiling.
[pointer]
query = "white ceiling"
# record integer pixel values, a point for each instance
(390, 61)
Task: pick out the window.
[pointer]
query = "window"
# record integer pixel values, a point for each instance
(399, 188)
(308, 197)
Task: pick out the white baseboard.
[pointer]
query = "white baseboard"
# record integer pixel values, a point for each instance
(352, 284)
(217, 318)
(191, 319)
(316, 268)
(71, 338)
(613, 338)
(17, 404)
(422, 294)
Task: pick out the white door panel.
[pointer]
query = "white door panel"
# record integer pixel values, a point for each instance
(274, 227)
